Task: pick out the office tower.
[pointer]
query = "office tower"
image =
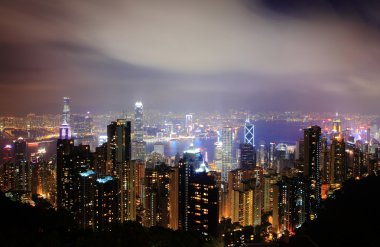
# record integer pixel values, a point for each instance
(86, 200)
(119, 164)
(203, 204)
(22, 166)
(218, 155)
(190, 162)
(262, 155)
(156, 184)
(66, 117)
(106, 203)
(249, 133)
(159, 147)
(227, 140)
(139, 125)
(337, 161)
(247, 156)
(173, 198)
(312, 149)
(189, 124)
(281, 152)
(138, 150)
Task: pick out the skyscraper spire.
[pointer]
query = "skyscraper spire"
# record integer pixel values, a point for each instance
(65, 130)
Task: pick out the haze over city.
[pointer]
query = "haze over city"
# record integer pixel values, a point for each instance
(192, 123)
(190, 55)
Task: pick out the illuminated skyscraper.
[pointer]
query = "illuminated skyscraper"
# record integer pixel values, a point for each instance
(174, 198)
(218, 157)
(247, 156)
(249, 133)
(106, 203)
(291, 205)
(245, 197)
(312, 149)
(120, 165)
(66, 173)
(227, 162)
(139, 125)
(203, 203)
(22, 166)
(262, 155)
(66, 110)
(337, 125)
(189, 124)
(157, 181)
(191, 161)
(138, 142)
(7, 169)
(338, 161)
(86, 213)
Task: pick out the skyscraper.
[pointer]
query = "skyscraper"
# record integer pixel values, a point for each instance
(247, 156)
(120, 165)
(312, 149)
(203, 204)
(189, 124)
(249, 133)
(66, 117)
(22, 166)
(338, 161)
(106, 203)
(191, 161)
(157, 181)
(227, 161)
(85, 208)
(139, 125)
(138, 142)
(65, 173)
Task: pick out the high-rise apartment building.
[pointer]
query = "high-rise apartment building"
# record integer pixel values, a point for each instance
(312, 150)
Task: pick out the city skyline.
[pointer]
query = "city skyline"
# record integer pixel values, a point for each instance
(255, 55)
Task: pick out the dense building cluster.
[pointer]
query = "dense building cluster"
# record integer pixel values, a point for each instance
(272, 188)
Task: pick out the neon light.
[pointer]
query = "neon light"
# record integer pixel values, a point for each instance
(104, 179)
(87, 173)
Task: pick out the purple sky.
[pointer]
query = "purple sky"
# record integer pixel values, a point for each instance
(320, 55)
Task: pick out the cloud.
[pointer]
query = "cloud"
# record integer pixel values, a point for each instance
(267, 54)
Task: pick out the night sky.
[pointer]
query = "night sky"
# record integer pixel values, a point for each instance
(310, 55)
